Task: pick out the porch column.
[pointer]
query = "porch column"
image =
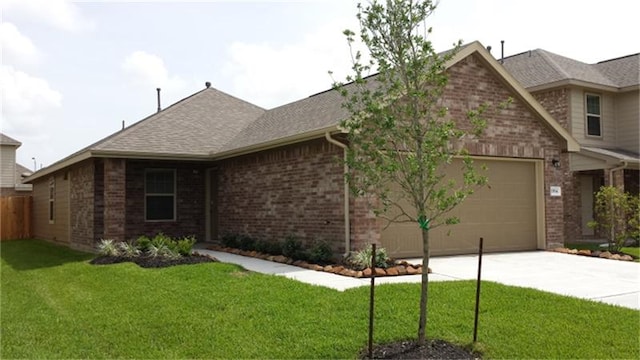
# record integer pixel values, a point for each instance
(114, 199)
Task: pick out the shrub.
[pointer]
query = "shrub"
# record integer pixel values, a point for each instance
(108, 247)
(184, 246)
(274, 248)
(247, 243)
(616, 215)
(292, 248)
(142, 243)
(230, 240)
(128, 249)
(362, 259)
(321, 253)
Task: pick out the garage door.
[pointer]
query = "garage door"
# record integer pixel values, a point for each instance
(505, 214)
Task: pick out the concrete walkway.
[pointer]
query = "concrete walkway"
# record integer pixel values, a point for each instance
(608, 281)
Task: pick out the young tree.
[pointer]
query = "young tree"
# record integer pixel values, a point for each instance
(400, 133)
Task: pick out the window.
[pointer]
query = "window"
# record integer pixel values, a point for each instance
(594, 126)
(52, 200)
(160, 195)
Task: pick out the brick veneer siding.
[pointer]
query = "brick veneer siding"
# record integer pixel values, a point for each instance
(114, 199)
(556, 102)
(190, 199)
(82, 197)
(513, 133)
(294, 190)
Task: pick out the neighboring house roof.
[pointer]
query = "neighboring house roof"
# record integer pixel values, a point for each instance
(540, 68)
(213, 125)
(20, 171)
(6, 140)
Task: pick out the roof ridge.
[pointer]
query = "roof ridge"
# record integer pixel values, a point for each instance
(618, 58)
(546, 57)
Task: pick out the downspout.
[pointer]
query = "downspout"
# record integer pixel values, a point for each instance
(624, 165)
(347, 222)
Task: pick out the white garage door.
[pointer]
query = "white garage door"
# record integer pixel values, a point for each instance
(505, 214)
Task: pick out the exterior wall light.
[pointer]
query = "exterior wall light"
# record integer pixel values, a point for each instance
(555, 163)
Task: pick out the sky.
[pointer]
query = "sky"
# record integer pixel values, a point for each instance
(72, 72)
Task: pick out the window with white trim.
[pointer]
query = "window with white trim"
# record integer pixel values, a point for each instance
(52, 200)
(160, 194)
(593, 115)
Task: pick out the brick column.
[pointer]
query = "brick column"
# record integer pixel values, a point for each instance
(114, 198)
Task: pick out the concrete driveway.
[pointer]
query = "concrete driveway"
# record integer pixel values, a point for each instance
(609, 281)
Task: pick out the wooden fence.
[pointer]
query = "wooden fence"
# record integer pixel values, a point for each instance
(15, 217)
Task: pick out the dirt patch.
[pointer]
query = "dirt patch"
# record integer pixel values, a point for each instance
(433, 349)
(153, 262)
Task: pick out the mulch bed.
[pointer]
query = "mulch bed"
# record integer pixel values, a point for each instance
(153, 262)
(433, 349)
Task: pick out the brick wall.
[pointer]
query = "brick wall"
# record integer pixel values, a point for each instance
(556, 102)
(82, 205)
(190, 199)
(114, 199)
(295, 190)
(514, 132)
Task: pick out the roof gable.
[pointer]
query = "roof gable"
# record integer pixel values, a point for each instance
(6, 140)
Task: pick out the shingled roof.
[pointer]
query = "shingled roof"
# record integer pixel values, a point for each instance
(6, 140)
(211, 125)
(539, 67)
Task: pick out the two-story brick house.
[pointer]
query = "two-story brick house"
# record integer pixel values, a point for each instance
(599, 105)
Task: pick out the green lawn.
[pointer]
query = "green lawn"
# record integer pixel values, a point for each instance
(56, 305)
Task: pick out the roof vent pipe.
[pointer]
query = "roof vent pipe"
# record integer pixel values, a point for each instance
(501, 51)
(489, 49)
(159, 108)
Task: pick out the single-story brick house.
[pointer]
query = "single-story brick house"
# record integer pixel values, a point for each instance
(212, 164)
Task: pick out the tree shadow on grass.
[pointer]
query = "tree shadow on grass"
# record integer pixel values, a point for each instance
(36, 254)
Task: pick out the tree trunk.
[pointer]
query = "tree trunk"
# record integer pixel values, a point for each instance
(424, 293)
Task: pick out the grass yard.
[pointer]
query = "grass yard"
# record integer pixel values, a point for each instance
(56, 305)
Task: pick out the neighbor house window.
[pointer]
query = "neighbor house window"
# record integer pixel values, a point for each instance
(594, 123)
(52, 200)
(160, 194)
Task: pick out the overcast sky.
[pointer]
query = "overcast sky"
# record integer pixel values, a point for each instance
(73, 71)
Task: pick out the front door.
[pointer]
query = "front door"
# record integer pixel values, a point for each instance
(586, 201)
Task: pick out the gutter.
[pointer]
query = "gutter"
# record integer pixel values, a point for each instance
(347, 221)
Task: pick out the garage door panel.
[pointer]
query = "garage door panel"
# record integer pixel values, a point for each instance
(504, 214)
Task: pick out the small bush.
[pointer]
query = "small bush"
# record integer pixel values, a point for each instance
(230, 240)
(142, 243)
(128, 249)
(108, 247)
(274, 248)
(161, 239)
(292, 248)
(321, 253)
(246, 243)
(362, 259)
(184, 246)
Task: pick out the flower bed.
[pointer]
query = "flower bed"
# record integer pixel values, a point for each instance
(398, 268)
(596, 253)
